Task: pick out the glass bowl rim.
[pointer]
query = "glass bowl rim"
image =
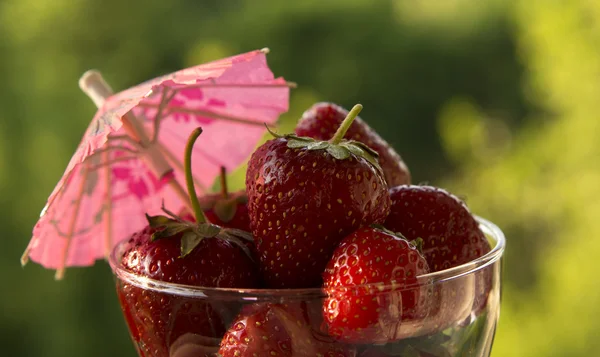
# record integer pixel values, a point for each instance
(489, 229)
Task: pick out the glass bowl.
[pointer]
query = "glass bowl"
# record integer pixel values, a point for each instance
(460, 310)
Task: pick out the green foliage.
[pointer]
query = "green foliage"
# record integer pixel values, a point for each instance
(494, 100)
(544, 190)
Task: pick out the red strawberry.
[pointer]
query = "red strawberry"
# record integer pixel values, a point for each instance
(278, 330)
(451, 237)
(181, 252)
(322, 120)
(304, 196)
(157, 319)
(227, 209)
(374, 296)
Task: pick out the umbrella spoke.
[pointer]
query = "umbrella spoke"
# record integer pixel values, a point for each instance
(207, 114)
(177, 163)
(241, 85)
(125, 138)
(111, 162)
(60, 272)
(66, 235)
(108, 206)
(160, 113)
(203, 113)
(108, 149)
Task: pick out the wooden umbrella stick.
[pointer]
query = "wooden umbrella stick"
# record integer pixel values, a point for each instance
(92, 84)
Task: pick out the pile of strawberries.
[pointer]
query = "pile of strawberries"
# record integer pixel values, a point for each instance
(331, 207)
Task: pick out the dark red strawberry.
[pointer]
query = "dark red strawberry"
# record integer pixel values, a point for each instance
(157, 319)
(451, 237)
(227, 209)
(278, 330)
(182, 252)
(304, 196)
(321, 122)
(374, 294)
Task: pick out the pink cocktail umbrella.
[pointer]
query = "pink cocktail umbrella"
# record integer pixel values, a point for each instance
(130, 160)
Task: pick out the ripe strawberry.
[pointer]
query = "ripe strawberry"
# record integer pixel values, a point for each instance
(304, 196)
(322, 120)
(227, 209)
(278, 330)
(157, 319)
(181, 252)
(451, 237)
(374, 296)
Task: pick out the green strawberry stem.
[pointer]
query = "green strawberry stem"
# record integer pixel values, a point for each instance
(224, 192)
(339, 134)
(189, 179)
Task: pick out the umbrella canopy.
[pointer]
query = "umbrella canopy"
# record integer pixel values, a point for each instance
(130, 160)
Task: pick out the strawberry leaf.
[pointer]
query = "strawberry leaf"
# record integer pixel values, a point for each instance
(236, 237)
(296, 143)
(240, 234)
(338, 151)
(170, 231)
(318, 145)
(366, 148)
(362, 150)
(207, 230)
(274, 134)
(189, 241)
(158, 221)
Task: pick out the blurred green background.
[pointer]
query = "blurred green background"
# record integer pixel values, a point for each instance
(495, 100)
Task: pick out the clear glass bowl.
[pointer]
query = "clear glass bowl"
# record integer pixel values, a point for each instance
(462, 310)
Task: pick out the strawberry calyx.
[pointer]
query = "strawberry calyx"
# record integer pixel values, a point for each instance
(339, 148)
(224, 205)
(194, 233)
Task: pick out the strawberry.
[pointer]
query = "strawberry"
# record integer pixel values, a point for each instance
(278, 330)
(172, 250)
(321, 121)
(304, 196)
(451, 237)
(227, 209)
(157, 319)
(374, 295)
